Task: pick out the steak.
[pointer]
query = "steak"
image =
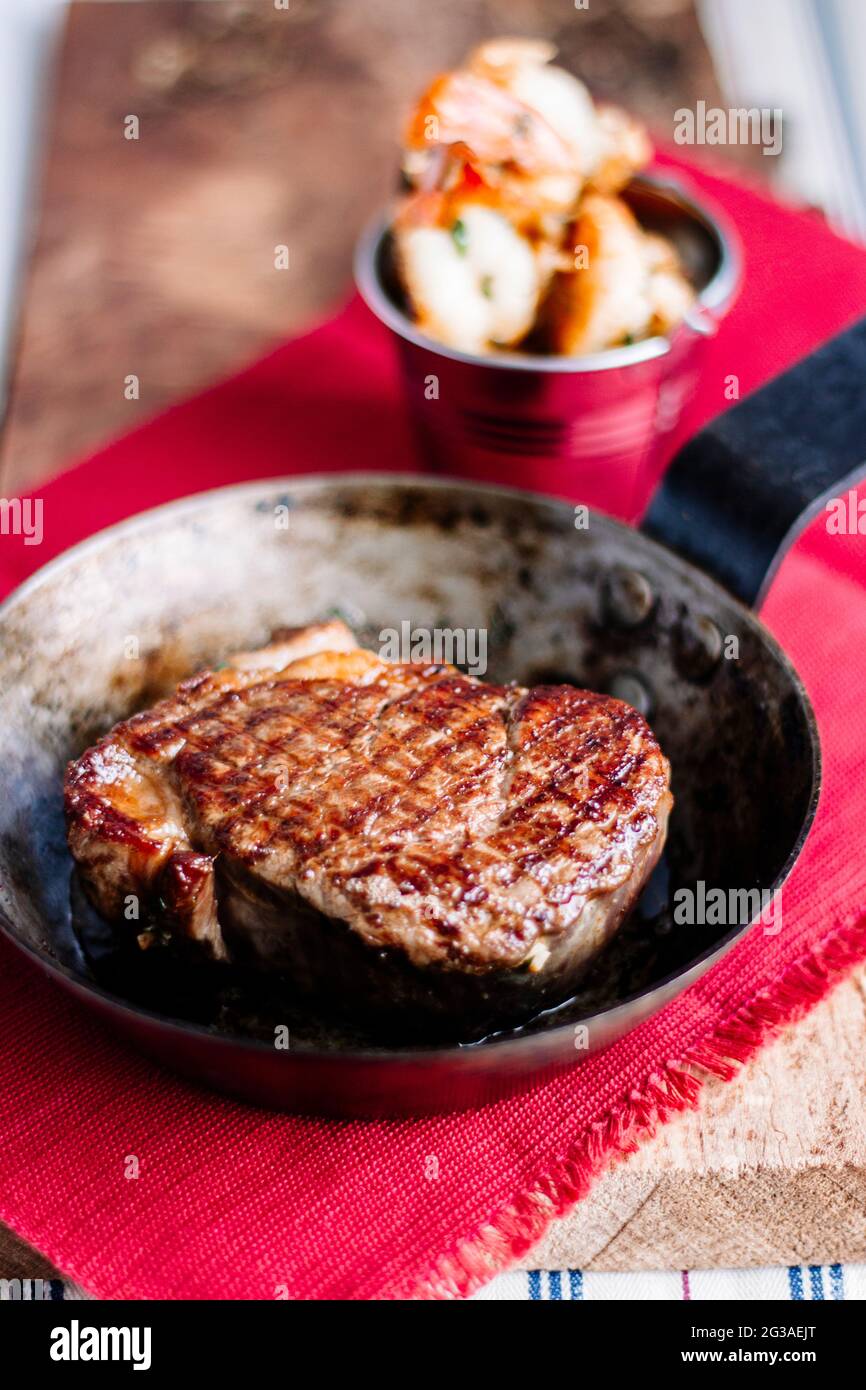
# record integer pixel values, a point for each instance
(399, 839)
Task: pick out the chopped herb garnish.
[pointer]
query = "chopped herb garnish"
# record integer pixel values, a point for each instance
(487, 286)
(460, 236)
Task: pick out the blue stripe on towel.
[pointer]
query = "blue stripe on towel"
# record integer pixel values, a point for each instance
(575, 1283)
(534, 1284)
(795, 1282)
(555, 1279)
(837, 1282)
(816, 1283)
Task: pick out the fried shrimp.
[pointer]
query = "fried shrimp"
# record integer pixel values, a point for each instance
(626, 283)
(473, 283)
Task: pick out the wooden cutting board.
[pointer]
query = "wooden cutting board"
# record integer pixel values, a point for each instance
(153, 257)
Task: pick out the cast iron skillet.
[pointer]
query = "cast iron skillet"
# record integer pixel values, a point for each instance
(606, 607)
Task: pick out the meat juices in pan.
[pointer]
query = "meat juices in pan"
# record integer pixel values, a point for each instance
(398, 839)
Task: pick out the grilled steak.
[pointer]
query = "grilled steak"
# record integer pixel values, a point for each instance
(397, 838)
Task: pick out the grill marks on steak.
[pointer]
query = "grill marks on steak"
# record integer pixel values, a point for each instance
(456, 826)
(375, 824)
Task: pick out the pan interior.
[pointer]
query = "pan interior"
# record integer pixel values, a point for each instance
(115, 624)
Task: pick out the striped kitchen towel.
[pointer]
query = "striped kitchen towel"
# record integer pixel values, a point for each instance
(797, 1283)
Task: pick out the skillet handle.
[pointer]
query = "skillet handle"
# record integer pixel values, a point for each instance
(737, 495)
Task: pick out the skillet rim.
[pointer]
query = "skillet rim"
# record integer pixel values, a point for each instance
(507, 1045)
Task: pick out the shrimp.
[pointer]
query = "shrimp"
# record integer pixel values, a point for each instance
(463, 108)
(630, 287)
(473, 283)
(607, 145)
(507, 145)
(522, 68)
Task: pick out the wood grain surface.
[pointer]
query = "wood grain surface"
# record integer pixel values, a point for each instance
(261, 127)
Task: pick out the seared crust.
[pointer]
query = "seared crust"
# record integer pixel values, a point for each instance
(447, 823)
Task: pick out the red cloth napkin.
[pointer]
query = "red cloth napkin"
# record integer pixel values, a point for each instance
(235, 1202)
